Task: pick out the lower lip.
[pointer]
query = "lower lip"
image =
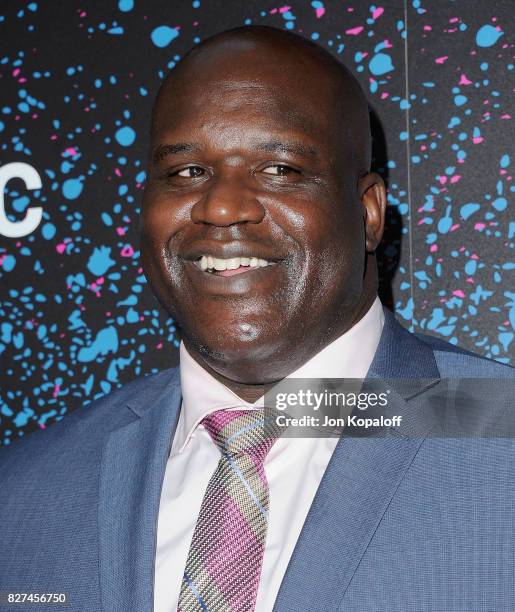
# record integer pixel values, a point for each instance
(240, 281)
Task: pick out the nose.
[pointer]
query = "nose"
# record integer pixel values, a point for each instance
(227, 201)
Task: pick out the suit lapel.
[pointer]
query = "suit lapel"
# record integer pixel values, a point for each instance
(358, 484)
(131, 475)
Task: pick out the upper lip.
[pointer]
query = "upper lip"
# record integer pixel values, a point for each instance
(227, 250)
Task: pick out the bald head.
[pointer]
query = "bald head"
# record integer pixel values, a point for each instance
(277, 62)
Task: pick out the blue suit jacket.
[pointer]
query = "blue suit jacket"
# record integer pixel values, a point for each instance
(398, 523)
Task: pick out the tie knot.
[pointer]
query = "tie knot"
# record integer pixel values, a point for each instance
(249, 432)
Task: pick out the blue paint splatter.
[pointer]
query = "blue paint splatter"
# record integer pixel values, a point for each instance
(500, 204)
(100, 261)
(469, 209)
(106, 341)
(8, 263)
(125, 5)
(72, 188)
(163, 36)
(48, 231)
(125, 136)
(488, 35)
(380, 64)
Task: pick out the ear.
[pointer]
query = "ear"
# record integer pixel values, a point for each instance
(372, 193)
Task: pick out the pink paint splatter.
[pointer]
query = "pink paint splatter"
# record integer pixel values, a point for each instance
(127, 251)
(441, 60)
(98, 283)
(458, 293)
(319, 12)
(354, 31)
(464, 80)
(378, 12)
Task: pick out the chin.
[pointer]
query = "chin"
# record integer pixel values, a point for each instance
(241, 347)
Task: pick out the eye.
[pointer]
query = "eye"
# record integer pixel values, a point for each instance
(279, 170)
(189, 172)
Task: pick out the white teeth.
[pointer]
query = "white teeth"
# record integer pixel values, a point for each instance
(234, 263)
(219, 264)
(210, 263)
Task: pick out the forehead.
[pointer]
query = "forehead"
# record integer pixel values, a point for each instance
(248, 88)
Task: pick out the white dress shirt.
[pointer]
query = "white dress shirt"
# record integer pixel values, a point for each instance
(294, 466)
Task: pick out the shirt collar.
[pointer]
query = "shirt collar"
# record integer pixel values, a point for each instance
(349, 356)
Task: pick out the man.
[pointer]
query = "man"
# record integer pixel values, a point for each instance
(259, 225)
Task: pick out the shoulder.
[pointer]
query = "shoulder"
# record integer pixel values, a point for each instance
(84, 430)
(454, 361)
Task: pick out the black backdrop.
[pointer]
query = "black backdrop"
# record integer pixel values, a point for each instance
(77, 80)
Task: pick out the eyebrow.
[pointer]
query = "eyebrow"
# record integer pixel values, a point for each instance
(173, 149)
(296, 148)
(272, 146)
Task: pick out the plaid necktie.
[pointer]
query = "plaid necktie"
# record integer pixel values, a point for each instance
(226, 552)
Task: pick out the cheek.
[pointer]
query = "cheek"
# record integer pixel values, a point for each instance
(162, 218)
(156, 226)
(335, 250)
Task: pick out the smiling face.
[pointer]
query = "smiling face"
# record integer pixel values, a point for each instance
(253, 236)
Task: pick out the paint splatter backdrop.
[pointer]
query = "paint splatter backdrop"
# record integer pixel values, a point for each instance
(77, 79)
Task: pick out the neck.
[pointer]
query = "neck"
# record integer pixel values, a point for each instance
(248, 393)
